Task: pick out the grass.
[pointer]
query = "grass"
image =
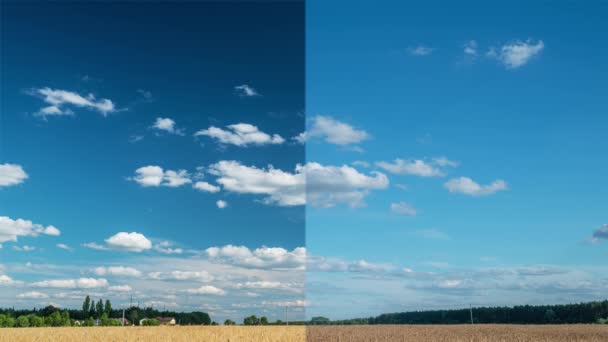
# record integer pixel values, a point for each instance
(403, 333)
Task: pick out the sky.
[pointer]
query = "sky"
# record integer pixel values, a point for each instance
(475, 136)
(135, 143)
(242, 158)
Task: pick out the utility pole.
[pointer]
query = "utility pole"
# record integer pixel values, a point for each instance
(471, 311)
(286, 321)
(123, 317)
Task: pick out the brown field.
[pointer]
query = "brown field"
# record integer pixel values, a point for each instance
(422, 333)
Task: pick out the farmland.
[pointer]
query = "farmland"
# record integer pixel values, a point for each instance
(405, 333)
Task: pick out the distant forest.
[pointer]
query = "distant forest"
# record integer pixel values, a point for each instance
(591, 312)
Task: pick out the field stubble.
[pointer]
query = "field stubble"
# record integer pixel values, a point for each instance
(404, 333)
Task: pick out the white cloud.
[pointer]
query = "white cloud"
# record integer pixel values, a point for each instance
(245, 90)
(6, 280)
(207, 290)
(11, 174)
(403, 208)
(443, 162)
(59, 99)
(166, 247)
(25, 248)
(288, 303)
(153, 176)
(264, 285)
(64, 246)
(120, 288)
(93, 245)
(221, 204)
(32, 295)
(202, 276)
(467, 186)
(120, 271)
(80, 283)
(263, 257)
(470, 48)
(167, 125)
(323, 186)
(361, 163)
(10, 229)
(411, 167)
(516, 54)
(300, 138)
(241, 134)
(335, 132)
(420, 50)
(132, 242)
(206, 187)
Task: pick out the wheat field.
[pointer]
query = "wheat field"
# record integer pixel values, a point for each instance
(403, 333)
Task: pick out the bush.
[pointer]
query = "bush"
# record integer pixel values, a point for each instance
(22, 322)
(150, 322)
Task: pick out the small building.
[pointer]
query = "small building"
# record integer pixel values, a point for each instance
(123, 321)
(166, 320)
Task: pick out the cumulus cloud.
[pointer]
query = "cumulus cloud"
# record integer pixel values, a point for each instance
(411, 167)
(32, 295)
(64, 246)
(241, 134)
(245, 90)
(12, 174)
(469, 187)
(335, 132)
(516, 54)
(300, 138)
(11, 229)
(221, 204)
(6, 280)
(119, 271)
(153, 176)
(120, 288)
(131, 242)
(202, 276)
(166, 125)
(60, 101)
(166, 247)
(420, 50)
(206, 187)
(80, 283)
(207, 290)
(263, 257)
(403, 208)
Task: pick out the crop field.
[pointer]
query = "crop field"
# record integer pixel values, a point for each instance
(459, 333)
(404, 333)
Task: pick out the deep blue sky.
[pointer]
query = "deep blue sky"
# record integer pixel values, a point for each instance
(189, 57)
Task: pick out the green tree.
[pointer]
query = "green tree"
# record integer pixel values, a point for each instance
(251, 320)
(264, 320)
(108, 308)
(92, 309)
(65, 318)
(85, 307)
(89, 322)
(22, 322)
(229, 322)
(56, 319)
(99, 309)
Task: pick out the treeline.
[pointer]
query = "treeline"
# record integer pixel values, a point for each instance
(95, 313)
(591, 312)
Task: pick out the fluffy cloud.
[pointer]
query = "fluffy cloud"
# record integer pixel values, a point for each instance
(403, 208)
(58, 100)
(411, 167)
(120, 288)
(241, 134)
(221, 204)
(166, 125)
(153, 176)
(245, 90)
(600, 234)
(202, 276)
(300, 138)
(64, 246)
(10, 229)
(420, 50)
(32, 295)
(166, 247)
(516, 54)
(132, 242)
(206, 187)
(80, 283)
(323, 186)
(6, 280)
(469, 187)
(335, 132)
(11, 174)
(263, 257)
(207, 290)
(120, 271)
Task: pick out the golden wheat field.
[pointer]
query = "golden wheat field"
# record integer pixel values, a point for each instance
(407, 333)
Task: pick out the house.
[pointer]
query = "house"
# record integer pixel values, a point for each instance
(166, 320)
(123, 321)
